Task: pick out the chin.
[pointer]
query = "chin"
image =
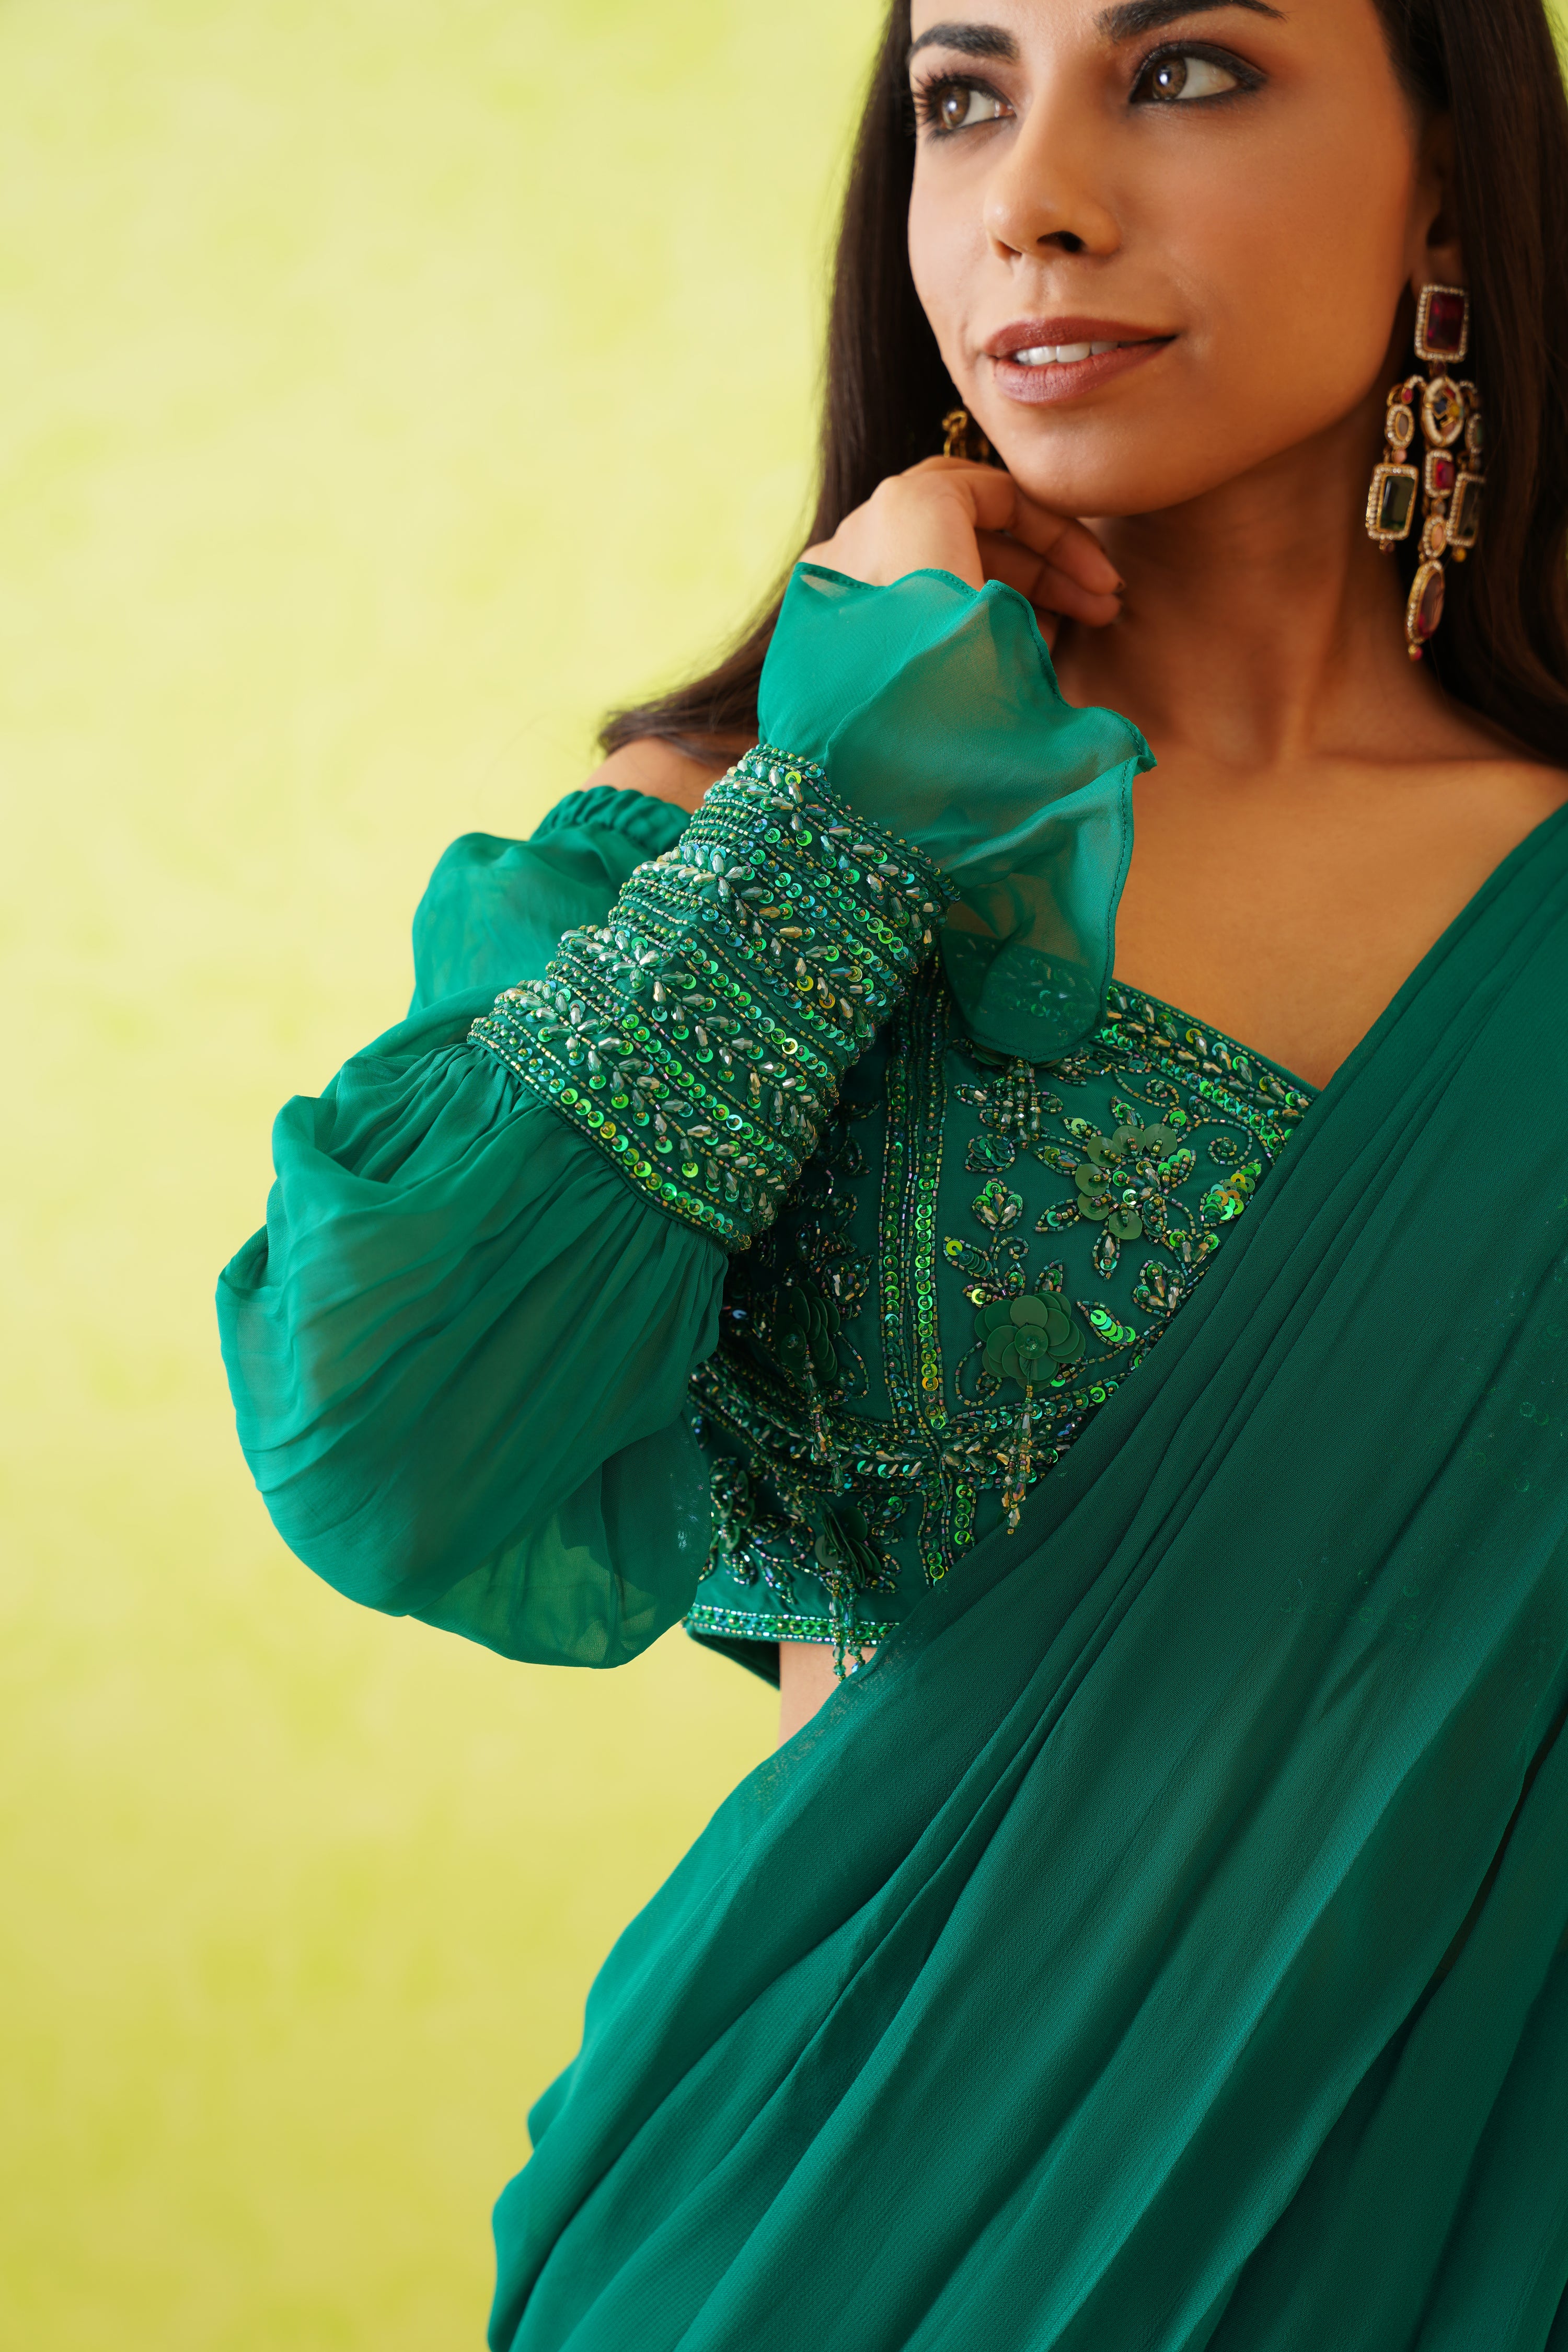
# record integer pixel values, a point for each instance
(1119, 483)
(1126, 473)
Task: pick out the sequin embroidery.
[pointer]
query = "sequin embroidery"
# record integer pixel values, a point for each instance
(872, 1411)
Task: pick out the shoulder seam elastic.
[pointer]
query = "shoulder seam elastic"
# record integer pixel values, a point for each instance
(610, 808)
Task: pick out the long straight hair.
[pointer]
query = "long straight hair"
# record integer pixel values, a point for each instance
(1503, 646)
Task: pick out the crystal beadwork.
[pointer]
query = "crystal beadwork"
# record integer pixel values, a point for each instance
(1110, 1180)
(698, 1038)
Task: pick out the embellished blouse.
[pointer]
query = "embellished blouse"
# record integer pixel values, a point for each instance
(752, 1206)
(976, 1256)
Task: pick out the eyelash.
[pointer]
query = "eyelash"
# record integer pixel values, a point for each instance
(1248, 77)
(924, 95)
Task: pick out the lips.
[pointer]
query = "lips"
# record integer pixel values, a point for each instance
(1046, 360)
(1041, 342)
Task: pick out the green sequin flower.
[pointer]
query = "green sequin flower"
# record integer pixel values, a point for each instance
(1108, 1177)
(844, 1550)
(1027, 1340)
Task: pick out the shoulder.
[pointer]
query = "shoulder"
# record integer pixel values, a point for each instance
(661, 772)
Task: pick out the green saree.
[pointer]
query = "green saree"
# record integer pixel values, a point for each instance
(1163, 1943)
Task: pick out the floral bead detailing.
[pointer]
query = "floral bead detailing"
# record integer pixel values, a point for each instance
(698, 1038)
(1027, 1340)
(969, 1364)
(997, 1205)
(805, 1325)
(1030, 1340)
(1117, 1175)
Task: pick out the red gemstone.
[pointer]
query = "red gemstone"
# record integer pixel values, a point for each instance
(1446, 324)
(1430, 611)
(1441, 473)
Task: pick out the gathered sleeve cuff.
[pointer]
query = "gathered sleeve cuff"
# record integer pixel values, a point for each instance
(697, 1037)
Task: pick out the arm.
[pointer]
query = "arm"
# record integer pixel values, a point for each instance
(459, 1350)
(495, 1251)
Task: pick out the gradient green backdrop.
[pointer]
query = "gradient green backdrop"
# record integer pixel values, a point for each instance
(385, 385)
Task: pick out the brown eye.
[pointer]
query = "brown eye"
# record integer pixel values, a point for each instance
(1171, 77)
(957, 105)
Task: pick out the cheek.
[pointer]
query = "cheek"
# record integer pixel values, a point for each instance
(946, 259)
(1295, 274)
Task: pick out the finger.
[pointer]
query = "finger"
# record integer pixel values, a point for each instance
(1069, 546)
(1048, 589)
(997, 503)
(990, 498)
(1055, 592)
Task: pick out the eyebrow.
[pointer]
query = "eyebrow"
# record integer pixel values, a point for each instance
(1135, 17)
(1124, 23)
(972, 40)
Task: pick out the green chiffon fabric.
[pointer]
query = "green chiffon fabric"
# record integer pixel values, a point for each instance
(1029, 811)
(460, 1348)
(1162, 1943)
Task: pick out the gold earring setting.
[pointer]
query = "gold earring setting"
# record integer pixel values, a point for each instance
(962, 437)
(1449, 478)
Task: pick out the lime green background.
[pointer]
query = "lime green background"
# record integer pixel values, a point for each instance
(385, 387)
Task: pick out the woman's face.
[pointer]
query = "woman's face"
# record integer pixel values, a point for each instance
(1231, 195)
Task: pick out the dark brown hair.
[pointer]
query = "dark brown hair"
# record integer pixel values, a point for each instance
(1503, 648)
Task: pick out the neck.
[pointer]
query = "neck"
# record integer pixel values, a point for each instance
(1261, 626)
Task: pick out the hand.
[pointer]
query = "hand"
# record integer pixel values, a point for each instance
(949, 515)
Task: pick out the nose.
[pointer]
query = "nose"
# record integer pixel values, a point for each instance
(1047, 193)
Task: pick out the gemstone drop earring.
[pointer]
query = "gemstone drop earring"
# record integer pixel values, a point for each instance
(1447, 410)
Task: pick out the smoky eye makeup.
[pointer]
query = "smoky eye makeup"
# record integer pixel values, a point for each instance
(1192, 73)
(1174, 74)
(945, 103)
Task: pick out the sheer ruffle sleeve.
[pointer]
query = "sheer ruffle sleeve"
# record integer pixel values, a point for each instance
(933, 710)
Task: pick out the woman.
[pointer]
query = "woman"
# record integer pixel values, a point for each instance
(1132, 1435)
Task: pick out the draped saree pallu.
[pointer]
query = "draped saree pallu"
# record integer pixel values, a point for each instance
(1162, 1944)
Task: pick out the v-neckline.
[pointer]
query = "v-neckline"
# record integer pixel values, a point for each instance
(1211, 1029)
(1522, 850)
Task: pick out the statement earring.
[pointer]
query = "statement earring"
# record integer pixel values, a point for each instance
(962, 437)
(1450, 478)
